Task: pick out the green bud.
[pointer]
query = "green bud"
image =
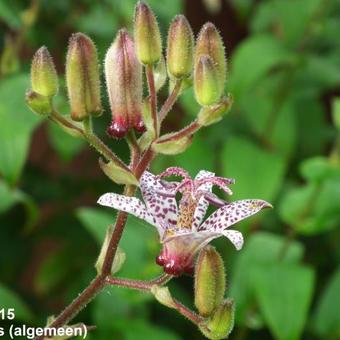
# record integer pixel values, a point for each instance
(180, 51)
(147, 35)
(39, 104)
(118, 174)
(221, 323)
(214, 113)
(167, 145)
(336, 113)
(206, 85)
(44, 79)
(119, 258)
(209, 42)
(82, 77)
(160, 74)
(209, 281)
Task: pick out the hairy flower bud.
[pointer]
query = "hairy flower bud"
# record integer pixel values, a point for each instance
(82, 77)
(180, 51)
(209, 281)
(44, 77)
(207, 87)
(147, 35)
(221, 323)
(209, 42)
(123, 75)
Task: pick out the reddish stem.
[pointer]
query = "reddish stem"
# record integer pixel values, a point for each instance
(138, 284)
(170, 101)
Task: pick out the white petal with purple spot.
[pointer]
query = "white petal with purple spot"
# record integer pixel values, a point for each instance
(235, 237)
(233, 213)
(162, 206)
(130, 205)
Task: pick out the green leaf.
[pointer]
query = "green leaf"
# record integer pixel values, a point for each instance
(327, 317)
(317, 168)
(10, 13)
(284, 293)
(9, 299)
(260, 248)
(289, 17)
(273, 122)
(9, 197)
(16, 125)
(147, 331)
(252, 60)
(313, 208)
(258, 173)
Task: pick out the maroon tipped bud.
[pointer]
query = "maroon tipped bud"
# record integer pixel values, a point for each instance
(123, 75)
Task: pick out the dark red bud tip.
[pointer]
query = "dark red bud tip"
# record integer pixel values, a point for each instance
(139, 126)
(117, 129)
(160, 260)
(172, 269)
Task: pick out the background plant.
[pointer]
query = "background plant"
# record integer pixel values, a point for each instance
(279, 140)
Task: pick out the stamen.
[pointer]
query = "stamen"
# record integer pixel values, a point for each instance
(174, 171)
(221, 182)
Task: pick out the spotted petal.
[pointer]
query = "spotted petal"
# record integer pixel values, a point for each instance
(233, 213)
(130, 205)
(203, 204)
(235, 237)
(159, 200)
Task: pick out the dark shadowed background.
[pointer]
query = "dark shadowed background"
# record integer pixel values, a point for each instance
(280, 142)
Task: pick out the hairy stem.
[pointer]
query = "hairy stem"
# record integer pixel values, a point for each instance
(170, 101)
(90, 137)
(188, 313)
(139, 284)
(187, 131)
(78, 303)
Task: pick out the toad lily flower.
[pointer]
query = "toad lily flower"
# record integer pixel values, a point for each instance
(181, 228)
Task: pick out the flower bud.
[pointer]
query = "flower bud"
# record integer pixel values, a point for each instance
(123, 75)
(180, 51)
(214, 113)
(209, 42)
(147, 35)
(44, 77)
(221, 323)
(206, 85)
(82, 77)
(209, 281)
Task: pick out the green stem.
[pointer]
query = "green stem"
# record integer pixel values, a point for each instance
(153, 97)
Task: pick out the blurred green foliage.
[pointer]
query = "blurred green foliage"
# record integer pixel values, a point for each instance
(281, 142)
